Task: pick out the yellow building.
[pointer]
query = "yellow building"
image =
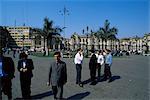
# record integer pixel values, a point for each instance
(20, 36)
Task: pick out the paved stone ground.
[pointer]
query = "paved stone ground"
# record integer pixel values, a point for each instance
(131, 78)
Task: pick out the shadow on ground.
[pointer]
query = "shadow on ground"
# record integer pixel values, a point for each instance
(78, 96)
(101, 79)
(42, 95)
(113, 78)
(38, 96)
(86, 81)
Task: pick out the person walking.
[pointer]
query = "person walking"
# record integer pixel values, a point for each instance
(14, 53)
(78, 62)
(92, 67)
(7, 71)
(100, 62)
(57, 76)
(108, 63)
(25, 67)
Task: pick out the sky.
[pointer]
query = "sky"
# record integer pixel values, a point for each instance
(130, 17)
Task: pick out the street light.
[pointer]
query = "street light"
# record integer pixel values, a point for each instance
(136, 39)
(87, 28)
(23, 38)
(64, 13)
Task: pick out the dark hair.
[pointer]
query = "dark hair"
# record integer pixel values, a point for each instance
(79, 49)
(108, 50)
(23, 55)
(57, 53)
(93, 51)
(100, 51)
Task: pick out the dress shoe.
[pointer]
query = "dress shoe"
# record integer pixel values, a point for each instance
(80, 84)
(110, 80)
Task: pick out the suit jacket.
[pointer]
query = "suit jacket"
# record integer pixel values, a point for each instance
(8, 67)
(29, 66)
(58, 73)
(93, 62)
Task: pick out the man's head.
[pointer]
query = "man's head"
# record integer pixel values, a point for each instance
(100, 52)
(108, 51)
(57, 56)
(79, 50)
(92, 51)
(23, 56)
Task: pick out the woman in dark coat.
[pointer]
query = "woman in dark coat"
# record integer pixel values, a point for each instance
(25, 67)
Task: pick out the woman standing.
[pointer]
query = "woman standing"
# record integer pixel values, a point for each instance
(25, 67)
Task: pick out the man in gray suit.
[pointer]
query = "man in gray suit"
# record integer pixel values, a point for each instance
(57, 76)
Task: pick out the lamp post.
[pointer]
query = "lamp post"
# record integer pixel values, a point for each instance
(64, 12)
(136, 39)
(87, 28)
(23, 38)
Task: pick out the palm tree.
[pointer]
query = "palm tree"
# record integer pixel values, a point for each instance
(74, 40)
(112, 35)
(106, 33)
(100, 35)
(58, 40)
(47, 32)
(50, 30)
(93, 37)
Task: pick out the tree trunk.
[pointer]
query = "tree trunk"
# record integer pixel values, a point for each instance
(44, 43)
(105, 44)
(102, 44)
(111, 44)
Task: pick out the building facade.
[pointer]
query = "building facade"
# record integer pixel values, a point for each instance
(20, 36)
(24, 37)
(125, 44)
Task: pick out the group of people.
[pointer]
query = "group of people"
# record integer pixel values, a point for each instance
(95, 63)
(57, 77)
(7, 73)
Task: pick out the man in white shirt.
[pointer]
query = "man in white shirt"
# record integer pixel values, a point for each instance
(78, 61)
(100, 62)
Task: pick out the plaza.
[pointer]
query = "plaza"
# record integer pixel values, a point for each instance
(130, 74)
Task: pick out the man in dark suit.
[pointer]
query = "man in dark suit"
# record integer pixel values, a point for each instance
(57, 76)
(92, 67)
(7, 71)
(25, 67)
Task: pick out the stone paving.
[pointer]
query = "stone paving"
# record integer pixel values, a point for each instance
(131, 77)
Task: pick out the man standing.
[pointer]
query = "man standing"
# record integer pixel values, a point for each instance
(7, 71)
(100, 62)
(92, 67)
(78, 61)
(108, 63)
(25, 67)
(57, 76)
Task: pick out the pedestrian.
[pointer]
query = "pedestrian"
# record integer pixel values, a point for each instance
(57, 76)
(7, 71)
(92, 67)
(78, 62)
(108, 63)
(100, 62)
(25, 67)
(14, 53)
